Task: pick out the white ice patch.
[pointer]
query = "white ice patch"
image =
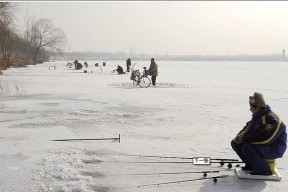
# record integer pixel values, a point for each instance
(12, 88)
(68, 170)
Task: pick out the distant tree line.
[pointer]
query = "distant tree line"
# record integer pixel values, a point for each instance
(39, 40)
(122, 56)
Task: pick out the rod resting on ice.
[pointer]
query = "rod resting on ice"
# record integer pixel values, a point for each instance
(118, 138)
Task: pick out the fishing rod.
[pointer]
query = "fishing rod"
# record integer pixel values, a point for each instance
(179, 162)
(164, 157)
(176, 157)
(215, 179)
(175, 173)
(183, 162)
(117, 138)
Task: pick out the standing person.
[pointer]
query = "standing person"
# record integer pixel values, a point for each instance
(153, 71)
(128, 64)
(262, 140)
(76, 63)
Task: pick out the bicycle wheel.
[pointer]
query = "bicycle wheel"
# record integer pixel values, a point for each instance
(144, 82)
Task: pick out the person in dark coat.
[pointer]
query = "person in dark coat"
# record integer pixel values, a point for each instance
(128, 64)
(76, 63)
(119, 70)
(262, 140)
(153, 71)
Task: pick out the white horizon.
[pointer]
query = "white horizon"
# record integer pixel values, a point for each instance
(168, 27)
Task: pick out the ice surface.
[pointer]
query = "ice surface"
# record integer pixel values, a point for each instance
(195, 110)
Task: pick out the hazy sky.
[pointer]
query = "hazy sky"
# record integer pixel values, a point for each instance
(185, 27)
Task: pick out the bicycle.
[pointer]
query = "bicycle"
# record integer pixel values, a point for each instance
(142, 80)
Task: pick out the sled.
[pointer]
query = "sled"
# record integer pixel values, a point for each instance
(245, 174)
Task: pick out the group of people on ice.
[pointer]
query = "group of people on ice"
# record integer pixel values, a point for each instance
(120, 69)
(79, 65)
(152, 71)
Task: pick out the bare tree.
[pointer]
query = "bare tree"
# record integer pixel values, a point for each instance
(8, 43)
(41, 39)
(44, 35)
(6, 11)
(7, 35)
(6, 16)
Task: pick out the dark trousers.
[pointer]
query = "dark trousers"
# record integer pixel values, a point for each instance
(251, 156)
(153, 80)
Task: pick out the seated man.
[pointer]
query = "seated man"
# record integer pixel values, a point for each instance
(262, 140)
(120, 70)
(79, 66)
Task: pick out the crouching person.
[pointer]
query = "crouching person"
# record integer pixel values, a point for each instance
(120, 70)
(262, 140)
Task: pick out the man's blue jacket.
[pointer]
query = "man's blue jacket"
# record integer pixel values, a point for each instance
(267, 132)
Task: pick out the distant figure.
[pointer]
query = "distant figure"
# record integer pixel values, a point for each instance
(96, 65)
(128, 64)
(153, 71)
(120, 70)
(76, 63)
(79, 66)
(104, 64)
(262, 140)
(85, 64)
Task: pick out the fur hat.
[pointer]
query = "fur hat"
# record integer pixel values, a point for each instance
(257, 100)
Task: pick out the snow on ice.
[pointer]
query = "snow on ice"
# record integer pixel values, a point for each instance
(195, 110)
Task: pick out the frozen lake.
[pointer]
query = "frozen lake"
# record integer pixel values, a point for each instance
(195, 110)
